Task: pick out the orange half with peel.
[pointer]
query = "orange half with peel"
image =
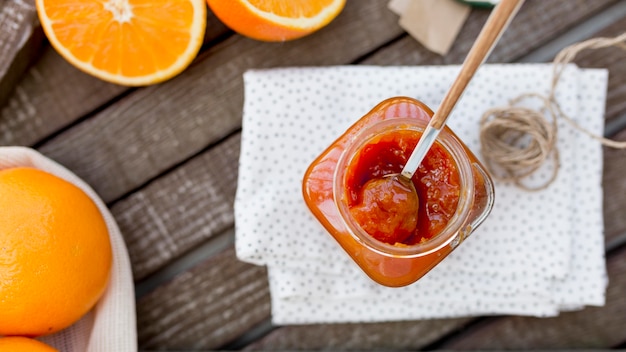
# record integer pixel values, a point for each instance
(128, 42)
(276, 20)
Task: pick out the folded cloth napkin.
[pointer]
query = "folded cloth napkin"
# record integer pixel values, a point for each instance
(538, 253)
(111, 325)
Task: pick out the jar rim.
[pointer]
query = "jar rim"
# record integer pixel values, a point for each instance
(454, 227)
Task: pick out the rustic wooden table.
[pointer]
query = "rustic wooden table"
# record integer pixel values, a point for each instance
(164, 158)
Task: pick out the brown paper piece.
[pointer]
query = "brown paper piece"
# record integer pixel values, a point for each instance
(434, 23)
(399, 6)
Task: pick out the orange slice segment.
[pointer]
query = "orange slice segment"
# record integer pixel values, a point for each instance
(276, 20)
(128, 42)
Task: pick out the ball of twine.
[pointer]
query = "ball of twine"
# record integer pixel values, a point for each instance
(516, 141)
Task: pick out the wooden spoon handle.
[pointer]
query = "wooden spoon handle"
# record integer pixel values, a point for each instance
(488, 37)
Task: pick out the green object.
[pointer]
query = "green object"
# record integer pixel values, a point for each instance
(480, 3)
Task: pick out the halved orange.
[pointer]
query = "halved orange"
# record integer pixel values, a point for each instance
(276, 20)
(128, 42)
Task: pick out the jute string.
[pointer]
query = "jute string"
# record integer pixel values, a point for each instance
(516, 141)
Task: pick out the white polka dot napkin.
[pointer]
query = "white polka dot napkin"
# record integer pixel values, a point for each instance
(537, 253)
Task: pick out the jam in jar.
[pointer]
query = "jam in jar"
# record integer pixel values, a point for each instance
(395, 242)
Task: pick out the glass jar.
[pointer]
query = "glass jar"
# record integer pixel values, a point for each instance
(388, 264)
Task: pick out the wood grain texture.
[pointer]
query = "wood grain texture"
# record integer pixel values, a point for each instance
(53, 94)
(614, 185)
(156, 127)
(205, 307)
(50, 96)
(180, 209)
(536, 23)
(20, 40)
(408, 335)
(613, 60)
(593, 327)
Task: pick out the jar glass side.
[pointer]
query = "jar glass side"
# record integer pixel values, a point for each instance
(319, 194)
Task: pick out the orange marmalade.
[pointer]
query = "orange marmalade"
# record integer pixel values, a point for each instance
(385, 213)
(393, 245)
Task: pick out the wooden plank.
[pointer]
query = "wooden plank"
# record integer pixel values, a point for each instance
(156, 127)
(536, 23)
(205, 307)
(594, 327)
(408, 335)
(51, 95)
(54, 94)
(613, 60)
(614, 184)
(181, 209)
(20, 39)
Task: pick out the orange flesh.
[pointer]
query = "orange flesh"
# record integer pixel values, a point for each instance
(132, 41)
(291, 8)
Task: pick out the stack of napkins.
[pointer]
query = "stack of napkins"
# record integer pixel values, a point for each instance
(538, 253)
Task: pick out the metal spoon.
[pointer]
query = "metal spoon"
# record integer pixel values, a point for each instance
(490, 34)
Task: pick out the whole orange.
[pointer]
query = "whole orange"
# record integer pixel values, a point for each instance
(276, 20)
(23, 344)
(55, 253)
